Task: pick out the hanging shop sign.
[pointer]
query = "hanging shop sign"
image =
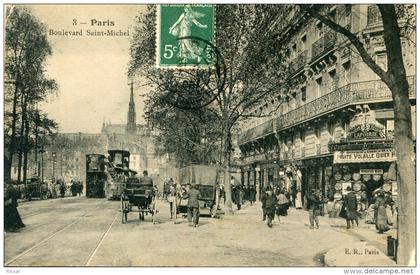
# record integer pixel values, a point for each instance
(372, 171)
(358, 156)
(364, 126)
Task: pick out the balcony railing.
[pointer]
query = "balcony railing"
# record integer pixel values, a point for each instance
(258, 131)
(299, 62)
(324, 44)
(354, 93)
(361, 92)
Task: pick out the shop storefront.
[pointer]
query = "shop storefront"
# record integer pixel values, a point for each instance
(364, 162)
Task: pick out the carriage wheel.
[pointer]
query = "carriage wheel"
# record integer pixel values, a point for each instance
(123, 210)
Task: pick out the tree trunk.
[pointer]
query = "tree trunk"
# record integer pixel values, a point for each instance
(406, 175)
(12, 144)
(26, 149)
(21, 139)
(226, 167)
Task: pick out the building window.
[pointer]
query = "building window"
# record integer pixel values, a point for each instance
(303, 94)
(294, 50)
(331, 128)
(318, 87)
(293, 101)
(303, 42)
(319, 28)
(333, 79)
(381, 60)
(346, 72)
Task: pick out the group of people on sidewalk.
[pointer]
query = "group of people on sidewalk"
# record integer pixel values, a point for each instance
(377, 213)
(191, 193)
(275, 201)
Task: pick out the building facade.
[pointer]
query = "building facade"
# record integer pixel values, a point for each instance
(335, 123)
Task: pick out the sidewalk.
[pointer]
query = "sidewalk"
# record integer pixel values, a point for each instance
(337, 245)
(371, 249)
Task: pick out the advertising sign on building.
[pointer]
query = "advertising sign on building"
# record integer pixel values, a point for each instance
(364, 126)
(358, 156)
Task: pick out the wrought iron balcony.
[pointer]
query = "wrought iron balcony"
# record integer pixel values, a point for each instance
(324, 44)
(258, 131)
(353, 93)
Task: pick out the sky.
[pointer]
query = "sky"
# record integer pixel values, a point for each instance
(91, 71)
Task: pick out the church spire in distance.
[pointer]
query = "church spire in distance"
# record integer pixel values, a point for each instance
(131, 116)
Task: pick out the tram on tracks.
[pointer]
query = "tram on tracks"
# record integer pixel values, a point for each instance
(108, 176)
(96, 176)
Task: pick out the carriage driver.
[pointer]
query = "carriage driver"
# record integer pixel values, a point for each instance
(146, 180)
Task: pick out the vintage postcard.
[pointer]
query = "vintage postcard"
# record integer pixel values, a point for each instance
(210, 135)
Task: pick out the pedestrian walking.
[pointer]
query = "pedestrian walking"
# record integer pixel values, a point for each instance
(314, 202)
(270, 207)
(282, 205)
(298, 202)
(193, 205)
(73, 188)
(12, 219)
(79, 185)
(350, 206)
(252, 193)
(237, 195)
(263, 200)
(62, 189)
(381, 220)
(170, 197)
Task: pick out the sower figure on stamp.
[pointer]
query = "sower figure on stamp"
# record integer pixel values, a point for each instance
(193, 205)
(188, 49)
(350, 204)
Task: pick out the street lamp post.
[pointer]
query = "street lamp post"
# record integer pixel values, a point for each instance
(53, 156)
(42, 151)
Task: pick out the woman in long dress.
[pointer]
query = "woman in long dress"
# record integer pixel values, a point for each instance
(381, 219)
(188, 49)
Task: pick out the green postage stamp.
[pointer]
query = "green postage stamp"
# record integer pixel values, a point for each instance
(185, 35)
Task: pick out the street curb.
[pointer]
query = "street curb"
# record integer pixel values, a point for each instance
(359, 254)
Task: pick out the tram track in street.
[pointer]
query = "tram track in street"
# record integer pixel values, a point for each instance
(61, 230)
(102, 239)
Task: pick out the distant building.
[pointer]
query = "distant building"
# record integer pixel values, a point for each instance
(65, 157)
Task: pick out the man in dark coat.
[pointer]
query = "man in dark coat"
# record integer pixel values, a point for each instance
(270, 207)
(263, 200)
(193, 205)
(62, 189)
(146, 180)
(350, 204)
(314, 201)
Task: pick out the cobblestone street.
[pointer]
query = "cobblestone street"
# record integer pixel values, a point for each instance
(88, 232)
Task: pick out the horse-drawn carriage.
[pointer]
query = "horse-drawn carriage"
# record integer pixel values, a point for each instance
(138, 198)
